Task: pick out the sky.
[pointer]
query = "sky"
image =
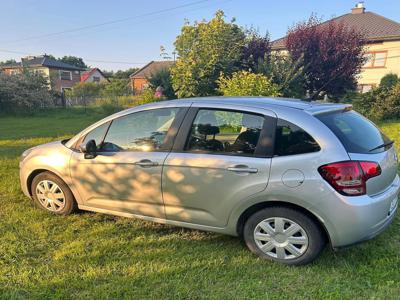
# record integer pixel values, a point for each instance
(121, 34)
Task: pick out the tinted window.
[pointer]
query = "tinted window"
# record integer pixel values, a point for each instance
(96, 134)
(357, 134)
(141, 131)
(225, 132)
(291, 139)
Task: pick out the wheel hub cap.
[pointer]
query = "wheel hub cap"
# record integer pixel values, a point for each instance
(50, 195)
(281, 238)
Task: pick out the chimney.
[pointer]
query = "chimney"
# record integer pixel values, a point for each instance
(358, 9)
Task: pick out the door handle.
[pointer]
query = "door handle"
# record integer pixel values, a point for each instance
(146, 163)
(242, 169)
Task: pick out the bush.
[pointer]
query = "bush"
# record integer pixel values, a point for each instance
(163, 79)
(147, 96)
(244, 83)
(24, 93)
(388, 81)
(380, 104)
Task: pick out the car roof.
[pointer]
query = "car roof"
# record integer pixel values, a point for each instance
(312, 107)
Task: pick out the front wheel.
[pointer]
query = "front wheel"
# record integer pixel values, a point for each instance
(284, 235)
(52, 194)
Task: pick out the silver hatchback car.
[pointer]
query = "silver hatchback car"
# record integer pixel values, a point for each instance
(286, 175)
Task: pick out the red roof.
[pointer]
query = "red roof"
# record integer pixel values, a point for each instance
(85, 75)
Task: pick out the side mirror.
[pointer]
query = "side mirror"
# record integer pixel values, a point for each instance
(89, 149)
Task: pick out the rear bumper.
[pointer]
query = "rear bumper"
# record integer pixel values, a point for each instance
(356, 219)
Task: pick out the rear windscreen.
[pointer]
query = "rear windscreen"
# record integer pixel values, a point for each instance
(357, 134)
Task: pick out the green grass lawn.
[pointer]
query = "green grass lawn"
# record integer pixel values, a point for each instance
(89, 255)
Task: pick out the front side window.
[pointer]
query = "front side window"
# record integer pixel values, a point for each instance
(96, 134)
(225, 132)
(141, 131)
(291, 139)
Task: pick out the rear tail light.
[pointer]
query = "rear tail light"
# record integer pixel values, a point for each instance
(349, 177)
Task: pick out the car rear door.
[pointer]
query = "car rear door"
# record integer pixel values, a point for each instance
(220, 157)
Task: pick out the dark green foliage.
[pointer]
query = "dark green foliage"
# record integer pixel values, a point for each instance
(380, 104)
(74, 61)
(163, 79)
(24, 93)
(389, 80)
(124, 74)
(7, 62)
(287, 74)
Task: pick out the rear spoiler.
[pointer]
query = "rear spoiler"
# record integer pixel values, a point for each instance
(323, 109)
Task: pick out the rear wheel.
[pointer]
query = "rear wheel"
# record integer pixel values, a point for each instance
(285, 235)
(52, 194)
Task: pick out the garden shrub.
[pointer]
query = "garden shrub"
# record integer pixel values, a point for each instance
(244, 83)
(389, 80)
(380, 103)
(24, 93)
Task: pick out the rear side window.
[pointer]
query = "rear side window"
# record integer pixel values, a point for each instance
(357, 134)
(291, 139)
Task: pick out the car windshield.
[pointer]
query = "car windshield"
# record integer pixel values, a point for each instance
(357, 134)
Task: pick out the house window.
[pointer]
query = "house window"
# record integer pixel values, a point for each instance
(14, 72)
(65, 75)
(96, 79)
(376, 59)
(364, 88)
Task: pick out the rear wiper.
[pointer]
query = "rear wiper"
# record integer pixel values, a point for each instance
(383, 145)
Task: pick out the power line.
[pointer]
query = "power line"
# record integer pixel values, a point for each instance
(107, 23)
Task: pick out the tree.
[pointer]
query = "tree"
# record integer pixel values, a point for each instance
(381, 103)
(389, 80)
(205, 49)
(244, 83)
(332, 55)
(256, 50)
(116, 87)
(24, 92)
(287, 74)
(8, 62)
(124, 74)
(162, 79)
(74, 61)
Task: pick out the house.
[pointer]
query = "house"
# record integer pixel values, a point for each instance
(93, 75)
(382, 49)
(139, 80)
(61, 75)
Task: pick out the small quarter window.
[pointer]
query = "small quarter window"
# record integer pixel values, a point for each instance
(291, 139)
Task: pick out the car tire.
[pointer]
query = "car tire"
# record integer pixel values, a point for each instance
(285, 235)
(52, 194)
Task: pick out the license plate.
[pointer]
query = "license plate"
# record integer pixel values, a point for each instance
(393, 205)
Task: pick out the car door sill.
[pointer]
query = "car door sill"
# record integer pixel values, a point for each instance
(155, 219)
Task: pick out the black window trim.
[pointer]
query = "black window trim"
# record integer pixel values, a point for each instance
(168, 141)
(261, 151)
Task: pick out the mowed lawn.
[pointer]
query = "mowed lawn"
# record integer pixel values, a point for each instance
(95, 256)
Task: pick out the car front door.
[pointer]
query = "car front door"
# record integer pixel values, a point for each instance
(125, 175)
(220, 157)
